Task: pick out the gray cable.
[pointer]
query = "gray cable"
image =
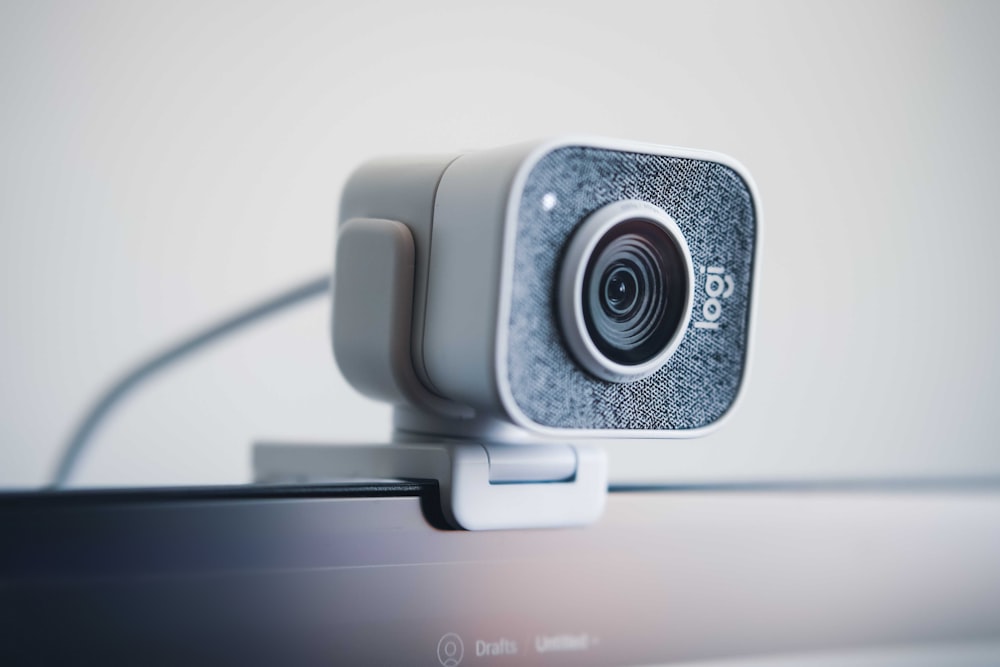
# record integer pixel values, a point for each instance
(77, 445)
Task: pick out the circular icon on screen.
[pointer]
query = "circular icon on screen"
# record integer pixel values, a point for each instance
(450, 650)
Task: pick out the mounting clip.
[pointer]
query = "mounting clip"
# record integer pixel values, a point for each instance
(483, 486)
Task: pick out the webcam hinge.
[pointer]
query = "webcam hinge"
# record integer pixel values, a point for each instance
(518, 464)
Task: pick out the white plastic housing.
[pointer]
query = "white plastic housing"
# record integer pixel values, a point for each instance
(462, 214)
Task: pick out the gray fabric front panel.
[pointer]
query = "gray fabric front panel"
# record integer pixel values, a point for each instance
(714, 210)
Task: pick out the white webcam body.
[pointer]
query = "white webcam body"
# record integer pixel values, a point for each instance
(436, 339)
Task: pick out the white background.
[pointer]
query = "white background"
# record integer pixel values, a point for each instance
(163, 163)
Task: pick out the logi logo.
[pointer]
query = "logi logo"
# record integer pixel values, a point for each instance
(718, 286)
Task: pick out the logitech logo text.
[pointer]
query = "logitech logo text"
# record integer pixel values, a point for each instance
(718, 286)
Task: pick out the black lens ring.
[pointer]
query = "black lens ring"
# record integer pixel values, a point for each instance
(635, 340)
(662, 285)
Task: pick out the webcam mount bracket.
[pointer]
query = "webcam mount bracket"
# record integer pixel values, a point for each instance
(482, 486)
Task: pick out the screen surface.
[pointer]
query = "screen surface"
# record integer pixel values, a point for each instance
(362, 576)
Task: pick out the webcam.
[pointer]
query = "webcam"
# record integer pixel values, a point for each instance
(533, 301)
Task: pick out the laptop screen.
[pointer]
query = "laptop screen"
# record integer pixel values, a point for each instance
(369, 575)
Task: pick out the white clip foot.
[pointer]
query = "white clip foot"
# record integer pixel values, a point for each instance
(482, 486)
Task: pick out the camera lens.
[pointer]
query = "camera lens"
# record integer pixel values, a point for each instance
(620, 291)
(626, 290)
(633, 292)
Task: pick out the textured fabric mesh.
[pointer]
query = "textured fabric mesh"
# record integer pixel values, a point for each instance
(714, 210)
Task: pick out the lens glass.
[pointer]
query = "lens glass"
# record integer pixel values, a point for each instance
(633, 291)
(621, 290)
